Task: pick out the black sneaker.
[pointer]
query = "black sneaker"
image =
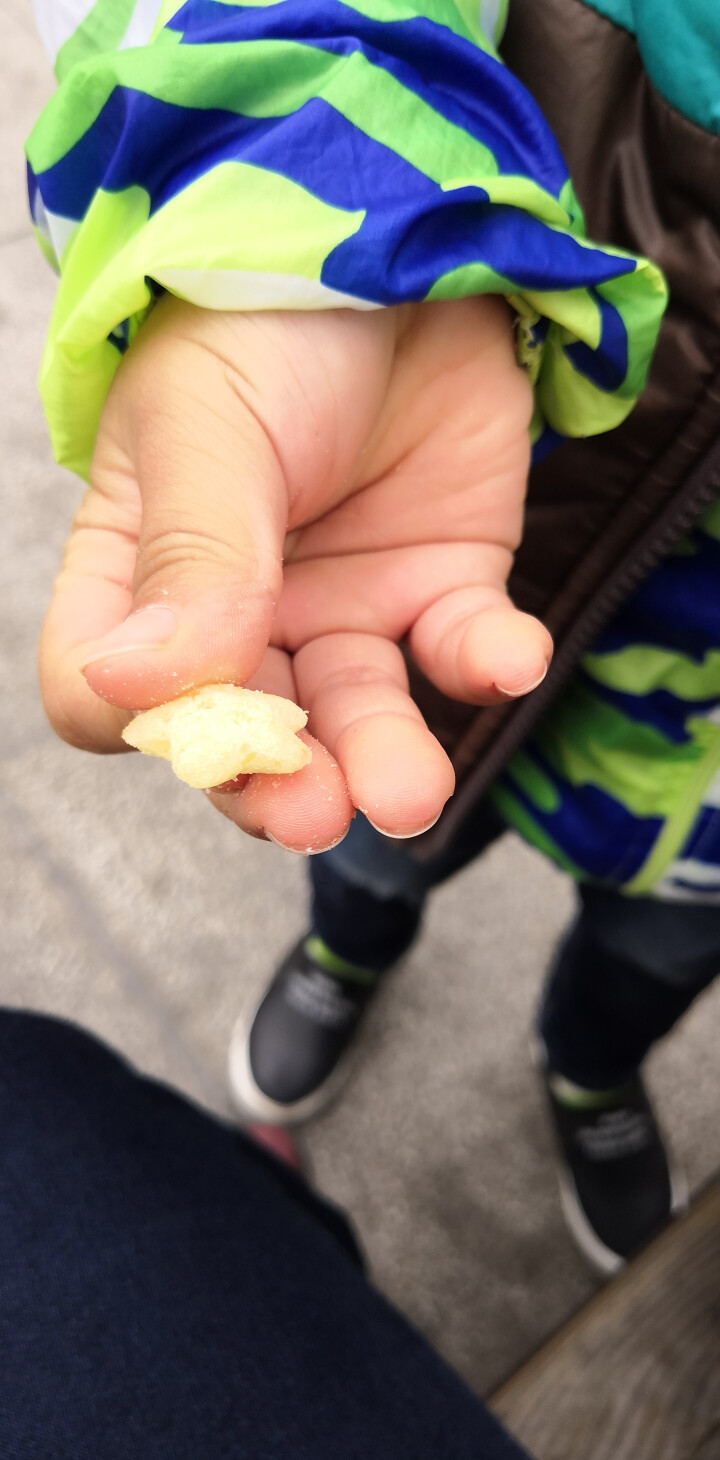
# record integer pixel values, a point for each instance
(286, 1054)
(616, 1183)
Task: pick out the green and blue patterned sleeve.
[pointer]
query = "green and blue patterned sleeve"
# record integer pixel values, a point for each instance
(309, 154)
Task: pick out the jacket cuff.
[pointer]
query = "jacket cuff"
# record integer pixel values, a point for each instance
(310, 154)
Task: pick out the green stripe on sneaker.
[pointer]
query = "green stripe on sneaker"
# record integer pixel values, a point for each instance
(576, 1097)
(324, 956)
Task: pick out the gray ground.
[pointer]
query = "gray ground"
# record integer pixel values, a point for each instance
(129, 906)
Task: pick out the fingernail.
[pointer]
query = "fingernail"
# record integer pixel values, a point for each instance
(306, 851)
(402, 836)
(296, 851)
(514, 694)
(148, 628)
(318, 851)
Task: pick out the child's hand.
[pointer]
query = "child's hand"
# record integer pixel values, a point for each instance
(384, 456)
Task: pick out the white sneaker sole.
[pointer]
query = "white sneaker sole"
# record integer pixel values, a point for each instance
(252, 1103)
(602, 1258)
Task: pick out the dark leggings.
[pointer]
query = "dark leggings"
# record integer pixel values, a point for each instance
(168, 1291)
(627, 970)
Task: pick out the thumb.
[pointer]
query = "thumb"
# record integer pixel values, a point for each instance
(189, 476)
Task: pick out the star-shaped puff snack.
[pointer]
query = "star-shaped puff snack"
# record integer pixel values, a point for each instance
(218, 732)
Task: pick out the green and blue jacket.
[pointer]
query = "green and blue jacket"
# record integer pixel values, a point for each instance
(308, 154)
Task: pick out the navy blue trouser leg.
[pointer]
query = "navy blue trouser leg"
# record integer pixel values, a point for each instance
(168, 1292)
(628, 969)
(368, 893)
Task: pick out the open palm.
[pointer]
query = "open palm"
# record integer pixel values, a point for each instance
(298, 493)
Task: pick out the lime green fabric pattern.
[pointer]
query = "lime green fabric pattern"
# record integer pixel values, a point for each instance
(588, 741)
(426, 172)
(119, 246)
(517, 816)
(641, 668)
(102, 30)
(622, 778)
